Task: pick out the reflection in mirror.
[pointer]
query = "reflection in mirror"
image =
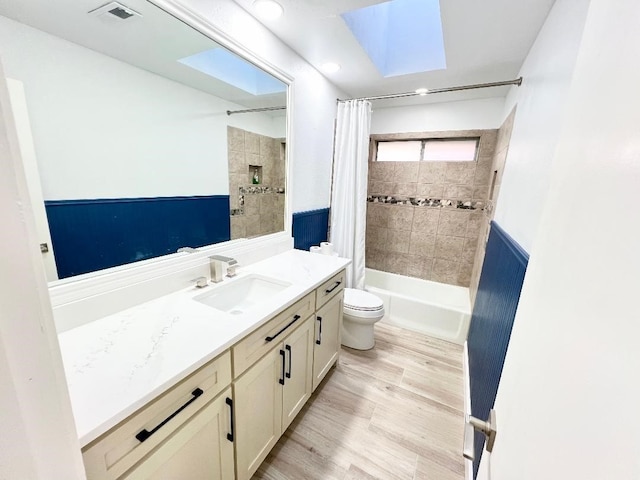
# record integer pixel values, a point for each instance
(257, 172)
(123, 129)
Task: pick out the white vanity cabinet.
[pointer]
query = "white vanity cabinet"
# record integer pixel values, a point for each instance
(220, 422)
(200, 449)
(328, 321)
(187, 424)
(328, 324)
(270, 394)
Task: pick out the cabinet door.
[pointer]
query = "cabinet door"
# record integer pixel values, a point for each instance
(258, 412)
(326, 343)
(299, 364)
(199, 450)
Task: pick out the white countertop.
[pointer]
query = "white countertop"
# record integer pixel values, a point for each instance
(117, 364)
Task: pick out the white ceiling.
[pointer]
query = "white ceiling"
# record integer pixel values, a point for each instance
(485, 41)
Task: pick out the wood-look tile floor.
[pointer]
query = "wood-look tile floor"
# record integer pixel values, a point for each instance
(394, 412)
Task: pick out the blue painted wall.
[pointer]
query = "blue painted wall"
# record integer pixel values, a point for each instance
(505, 264)
(89, 235)
(310, 228)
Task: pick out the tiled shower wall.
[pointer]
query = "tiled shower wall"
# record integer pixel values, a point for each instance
(497, 169)
(255, 209)
(424, 219)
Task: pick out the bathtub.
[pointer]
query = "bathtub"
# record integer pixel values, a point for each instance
(435, 309)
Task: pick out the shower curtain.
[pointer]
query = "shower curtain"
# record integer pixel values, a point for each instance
(349, 192)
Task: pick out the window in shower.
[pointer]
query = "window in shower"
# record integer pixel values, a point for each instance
(428, 150)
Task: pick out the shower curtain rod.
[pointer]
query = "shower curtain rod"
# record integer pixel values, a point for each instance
(517, 81)
(250, 110)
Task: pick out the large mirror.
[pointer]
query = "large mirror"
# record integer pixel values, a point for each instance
(129, 133)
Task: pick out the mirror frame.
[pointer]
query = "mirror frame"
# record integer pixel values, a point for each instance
(102, 281)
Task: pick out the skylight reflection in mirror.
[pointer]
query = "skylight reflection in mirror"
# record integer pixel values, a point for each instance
(224, 65)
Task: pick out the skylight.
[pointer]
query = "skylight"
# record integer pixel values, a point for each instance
(400, 36)
(228, 67)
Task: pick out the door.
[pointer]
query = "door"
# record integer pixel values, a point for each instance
(199, 450)
(258, 411)
(505, 264)
(299, 358)
(327, 338)
(32, 175)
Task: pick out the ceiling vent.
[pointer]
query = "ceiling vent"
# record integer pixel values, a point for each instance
(115, 11)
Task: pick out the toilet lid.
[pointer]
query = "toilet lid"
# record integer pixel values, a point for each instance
(361, 300)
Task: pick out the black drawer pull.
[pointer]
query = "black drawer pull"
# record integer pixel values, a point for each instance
(288, 349)
(319, 340)
(144, 434)
(229, 402)
(329, 290)
(281, 380)
(295, 319)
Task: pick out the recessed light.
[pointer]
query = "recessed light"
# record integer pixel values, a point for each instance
(268, 9)
(422, 91)
(330, 67)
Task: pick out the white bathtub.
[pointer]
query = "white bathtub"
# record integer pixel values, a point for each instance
(435, 309)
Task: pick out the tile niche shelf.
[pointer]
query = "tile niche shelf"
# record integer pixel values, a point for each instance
(255, 171)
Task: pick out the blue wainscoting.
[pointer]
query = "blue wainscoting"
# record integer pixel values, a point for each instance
(501, 280)
(89, 235)
(310, 228)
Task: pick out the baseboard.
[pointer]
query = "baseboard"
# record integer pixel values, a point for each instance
(466, 380)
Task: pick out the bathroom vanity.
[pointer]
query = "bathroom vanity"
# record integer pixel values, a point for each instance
(201, 383)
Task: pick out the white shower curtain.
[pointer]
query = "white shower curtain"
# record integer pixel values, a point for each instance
(349, 192)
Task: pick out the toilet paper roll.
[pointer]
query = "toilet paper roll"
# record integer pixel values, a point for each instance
(315, 249)
(326, 248)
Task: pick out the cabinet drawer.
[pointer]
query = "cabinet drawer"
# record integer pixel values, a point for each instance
(255, 345)
(330, 289)
(111, 455)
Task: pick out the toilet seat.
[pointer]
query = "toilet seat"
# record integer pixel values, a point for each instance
(359, 303)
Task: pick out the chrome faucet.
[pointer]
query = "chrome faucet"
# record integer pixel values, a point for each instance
(221, 266)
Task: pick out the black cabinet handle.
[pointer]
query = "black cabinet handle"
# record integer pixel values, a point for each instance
(229, 402)
(288, 349)
(295, 319)
(329, 290)
(144, 434)
(282, 379)
(319, 340)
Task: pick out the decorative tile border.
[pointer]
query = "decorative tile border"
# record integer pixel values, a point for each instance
(254, 190)
(426, 202)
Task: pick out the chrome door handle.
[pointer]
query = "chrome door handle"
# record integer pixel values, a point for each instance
(488, 428)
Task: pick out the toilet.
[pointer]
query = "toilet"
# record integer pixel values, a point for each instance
(361, 311)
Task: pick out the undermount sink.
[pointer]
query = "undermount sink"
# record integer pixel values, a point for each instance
(242, 294)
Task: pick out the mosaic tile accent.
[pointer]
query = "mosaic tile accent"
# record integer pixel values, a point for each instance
(427, 202)
(251, 191)
(254, 190)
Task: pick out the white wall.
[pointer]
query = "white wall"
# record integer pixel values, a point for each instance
(464, 115)
(38, 438)
(541, 101)
(568, 399)
(314, 100)
(105, 129)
